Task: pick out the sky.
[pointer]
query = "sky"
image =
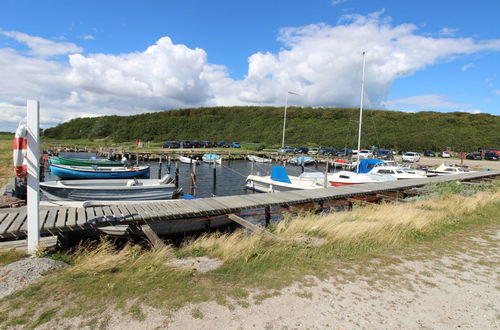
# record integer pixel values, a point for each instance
(93, 58)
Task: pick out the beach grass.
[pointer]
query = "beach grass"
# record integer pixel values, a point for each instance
(128, 278)
(6, 165)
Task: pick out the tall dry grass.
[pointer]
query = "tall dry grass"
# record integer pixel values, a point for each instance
(378, 225)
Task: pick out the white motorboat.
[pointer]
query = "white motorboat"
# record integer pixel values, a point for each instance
(444, 169)
(396, 171)
(280, 181)
(258, 159)
(188, 160)
(212, 158)
(111, 189)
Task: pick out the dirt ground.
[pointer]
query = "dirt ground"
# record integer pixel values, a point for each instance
(476, 164)
(429, 287)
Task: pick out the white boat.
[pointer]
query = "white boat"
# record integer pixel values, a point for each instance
(280, 181)
(188, 160)
(111, 189)
(212, 158)
(258, 159)
(444, 169)
(344, 178)
(397, 172)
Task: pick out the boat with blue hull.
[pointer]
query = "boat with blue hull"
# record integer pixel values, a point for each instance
(97, 172)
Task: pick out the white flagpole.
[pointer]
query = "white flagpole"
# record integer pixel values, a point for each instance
(361, 110)
(284, 121)
(33, 158)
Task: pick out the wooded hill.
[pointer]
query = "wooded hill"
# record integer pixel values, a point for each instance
(327, 127)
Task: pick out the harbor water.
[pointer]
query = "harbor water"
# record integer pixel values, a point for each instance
(230, 176)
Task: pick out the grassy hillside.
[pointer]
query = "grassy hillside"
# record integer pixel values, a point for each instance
(335, 127)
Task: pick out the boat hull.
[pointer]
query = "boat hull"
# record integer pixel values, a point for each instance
(67, 172)
(84, 162)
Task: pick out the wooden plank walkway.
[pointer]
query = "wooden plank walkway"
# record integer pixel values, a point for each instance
(57, 219)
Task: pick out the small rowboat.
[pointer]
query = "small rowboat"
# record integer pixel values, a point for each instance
(111, 189)
(97, 172)
(258, 159)
(306, 160)
(188, 160)
(212, 158)
(83, 161)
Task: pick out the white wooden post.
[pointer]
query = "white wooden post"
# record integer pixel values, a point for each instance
(33, 159)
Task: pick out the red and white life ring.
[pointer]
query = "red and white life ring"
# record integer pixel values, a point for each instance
(19, 152)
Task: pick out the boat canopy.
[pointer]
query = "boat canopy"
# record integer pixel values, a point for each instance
(278, 173)
(366, 165)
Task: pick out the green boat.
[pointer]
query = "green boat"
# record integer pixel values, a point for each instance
(83, 161)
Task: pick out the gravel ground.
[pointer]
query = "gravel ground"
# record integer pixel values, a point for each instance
(418, 289)
(20, 274)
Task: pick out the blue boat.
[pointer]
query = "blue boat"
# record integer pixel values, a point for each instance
(212, 158)
(96, 172)
(298, 161)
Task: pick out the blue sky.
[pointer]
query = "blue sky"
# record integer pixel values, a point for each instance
(88, 58)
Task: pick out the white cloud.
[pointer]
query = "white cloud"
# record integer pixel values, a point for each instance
(87, 37)
(338, 2)
(472, 111)
(468, 66)
(497, 92)
(448, 32)
(426, 102)
(42, 47)
(320, 62)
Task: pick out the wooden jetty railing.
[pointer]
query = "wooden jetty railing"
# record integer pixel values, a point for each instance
(57, 219)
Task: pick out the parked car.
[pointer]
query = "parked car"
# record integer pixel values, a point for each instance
(223, 144)
(344, 152)
(286, 149)
(328, 151)
(402, 152)
(196, 144)
(313, 151)
(474, 155)
(384, 154)
(365, 153)
(491, 156)
(301, 150)
(185, 144)
(235, 145)
(429, 153)
(411, 157)
(171, 144)
(445, 154)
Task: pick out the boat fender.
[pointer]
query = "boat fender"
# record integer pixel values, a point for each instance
(133, 183)
(19, 152)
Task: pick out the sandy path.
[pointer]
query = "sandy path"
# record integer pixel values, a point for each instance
(458, 289)
(436, 161)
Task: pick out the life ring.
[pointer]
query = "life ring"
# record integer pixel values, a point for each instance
(19, 152)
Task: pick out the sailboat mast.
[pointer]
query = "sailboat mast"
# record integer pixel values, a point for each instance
(361, 110)
(284, 122)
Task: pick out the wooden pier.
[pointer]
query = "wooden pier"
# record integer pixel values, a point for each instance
(59, 219)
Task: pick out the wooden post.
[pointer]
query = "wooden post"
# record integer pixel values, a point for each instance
(33, 189)
(250, 226)
(268, 215)
(137, 159)
(176, 175)
(153, 238)
(192, 179)
(159, 168)
(302, 164)
(214, 187)
(325, 184)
